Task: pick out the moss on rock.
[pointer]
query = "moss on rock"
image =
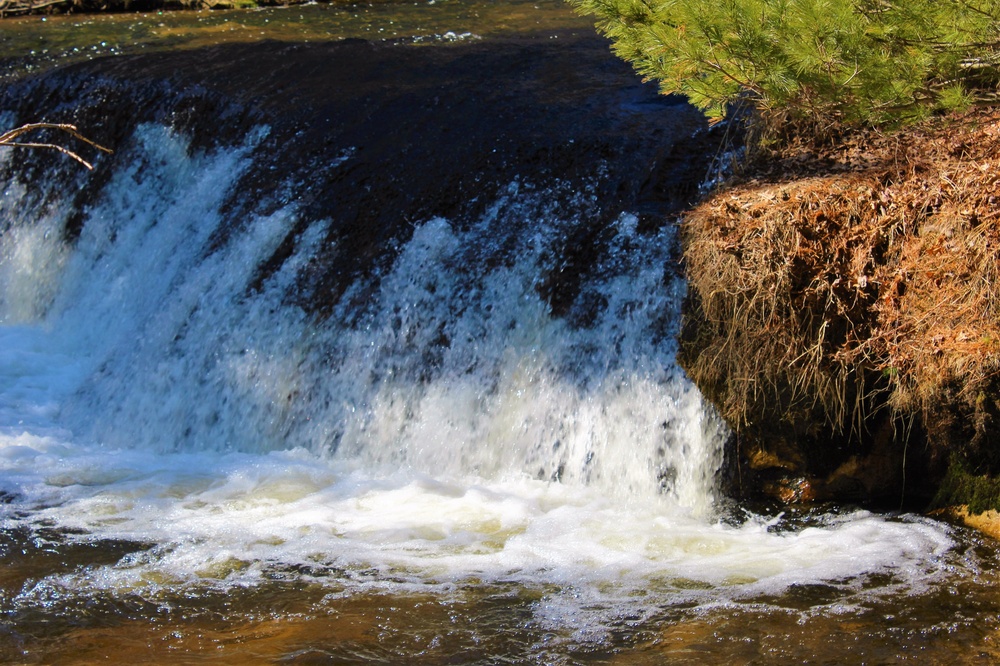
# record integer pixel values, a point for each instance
(977, 492)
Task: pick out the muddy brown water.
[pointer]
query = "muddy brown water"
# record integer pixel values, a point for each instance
(295, 621)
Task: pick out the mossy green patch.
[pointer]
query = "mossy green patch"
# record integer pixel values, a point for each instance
(980, 492)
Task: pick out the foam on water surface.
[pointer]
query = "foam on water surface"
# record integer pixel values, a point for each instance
(215, 520)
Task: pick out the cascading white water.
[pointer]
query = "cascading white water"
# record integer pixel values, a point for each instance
(447, 428)
(449, 367)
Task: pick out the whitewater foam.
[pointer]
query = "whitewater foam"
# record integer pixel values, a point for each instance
(215, 519)
(447, 430)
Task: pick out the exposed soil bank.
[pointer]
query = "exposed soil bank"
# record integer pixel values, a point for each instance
(844, 314)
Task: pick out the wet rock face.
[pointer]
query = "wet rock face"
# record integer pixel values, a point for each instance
(377, 137)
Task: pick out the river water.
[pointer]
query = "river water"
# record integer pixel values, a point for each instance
(434, 467)
(39, 42)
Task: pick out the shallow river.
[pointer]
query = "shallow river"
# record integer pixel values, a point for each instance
(43, 41)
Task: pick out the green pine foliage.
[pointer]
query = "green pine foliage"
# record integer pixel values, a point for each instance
(818, 61)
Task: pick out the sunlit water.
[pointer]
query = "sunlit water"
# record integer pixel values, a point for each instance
(37, 42)
(194, 469)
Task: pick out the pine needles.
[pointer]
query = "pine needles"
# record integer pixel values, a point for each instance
(812, 64)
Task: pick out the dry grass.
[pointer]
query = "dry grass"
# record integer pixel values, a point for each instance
(853, 280)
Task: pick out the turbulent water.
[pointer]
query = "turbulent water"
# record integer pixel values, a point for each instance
(442, 429)
(432, 466)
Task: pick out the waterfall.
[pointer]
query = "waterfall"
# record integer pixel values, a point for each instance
(474, 405)
(451, 362)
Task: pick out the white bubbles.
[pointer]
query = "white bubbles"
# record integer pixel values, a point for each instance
(217, 520)
(437, 425)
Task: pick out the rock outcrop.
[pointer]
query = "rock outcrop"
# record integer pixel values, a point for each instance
(845, 313)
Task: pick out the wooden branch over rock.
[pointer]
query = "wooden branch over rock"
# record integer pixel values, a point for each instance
(10, 139)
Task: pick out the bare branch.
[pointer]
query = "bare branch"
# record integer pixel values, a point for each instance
(7, 7)
(9, 139)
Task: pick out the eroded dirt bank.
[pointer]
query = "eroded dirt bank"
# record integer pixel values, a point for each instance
(844, 315)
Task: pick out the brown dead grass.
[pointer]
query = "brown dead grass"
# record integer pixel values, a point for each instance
(851, 279)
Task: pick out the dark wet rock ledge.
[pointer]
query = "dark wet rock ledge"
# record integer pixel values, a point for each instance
(379, 136)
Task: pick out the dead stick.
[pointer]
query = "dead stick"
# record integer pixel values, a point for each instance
(8, 139)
